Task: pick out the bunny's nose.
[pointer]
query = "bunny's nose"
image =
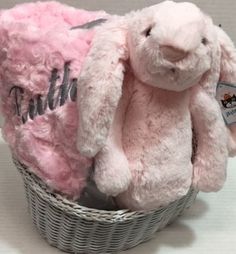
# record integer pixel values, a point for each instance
(173, 54)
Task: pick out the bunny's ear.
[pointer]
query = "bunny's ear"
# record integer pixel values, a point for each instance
(100, 86)
(228, 75)
(228, 58)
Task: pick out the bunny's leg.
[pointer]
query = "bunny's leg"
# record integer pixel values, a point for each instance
(112, 174)
(210, 160)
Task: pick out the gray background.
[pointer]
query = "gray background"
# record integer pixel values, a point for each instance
(222, 12)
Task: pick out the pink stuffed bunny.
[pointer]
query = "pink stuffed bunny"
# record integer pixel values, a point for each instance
(150, 77)
(40, 60)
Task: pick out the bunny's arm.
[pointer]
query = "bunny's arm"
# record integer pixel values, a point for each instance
(210, 161)
(112, 174)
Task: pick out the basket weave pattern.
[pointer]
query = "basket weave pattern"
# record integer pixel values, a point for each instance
(77, 229)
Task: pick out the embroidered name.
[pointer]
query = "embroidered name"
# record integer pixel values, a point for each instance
(56, 96)
(67, 90)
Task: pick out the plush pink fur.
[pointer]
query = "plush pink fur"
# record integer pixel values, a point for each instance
(133, 129)
(35, 38)
(148, 79)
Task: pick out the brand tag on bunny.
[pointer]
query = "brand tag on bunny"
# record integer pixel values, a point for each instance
(226, 96)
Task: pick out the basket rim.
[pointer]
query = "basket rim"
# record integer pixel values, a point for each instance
(72, 208)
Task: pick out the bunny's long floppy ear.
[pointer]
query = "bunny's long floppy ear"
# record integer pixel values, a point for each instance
(100, 85)
(228, 75)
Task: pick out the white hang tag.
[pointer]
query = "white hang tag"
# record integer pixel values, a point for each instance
(226, 96)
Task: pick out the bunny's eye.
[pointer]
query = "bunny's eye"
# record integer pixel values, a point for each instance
(147, 32)
(204, 41)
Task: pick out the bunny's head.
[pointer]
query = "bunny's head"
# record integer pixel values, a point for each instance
(171, 45)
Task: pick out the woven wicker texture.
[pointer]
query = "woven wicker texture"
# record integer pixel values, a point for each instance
(76, 229)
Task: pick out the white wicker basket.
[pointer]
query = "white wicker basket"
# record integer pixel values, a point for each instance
(77, 229)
